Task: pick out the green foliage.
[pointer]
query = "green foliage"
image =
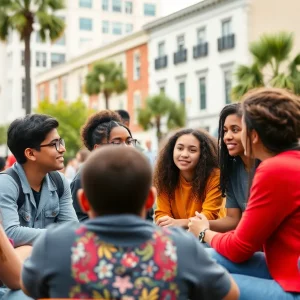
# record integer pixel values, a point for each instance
(21, 16)
(71, 117)
(3, 134)
(106, 78)
(271, 54)
(157, 107)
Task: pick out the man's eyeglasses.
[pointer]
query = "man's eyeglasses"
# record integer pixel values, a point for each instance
(57, 144)
(128, 142)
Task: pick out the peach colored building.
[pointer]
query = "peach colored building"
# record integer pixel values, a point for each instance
(67, 81)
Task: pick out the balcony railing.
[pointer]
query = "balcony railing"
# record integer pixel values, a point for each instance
(180, 56)
(200, 50)
(226, 42)
(161, 62)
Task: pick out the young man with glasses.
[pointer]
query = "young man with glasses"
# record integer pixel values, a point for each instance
(32, 194)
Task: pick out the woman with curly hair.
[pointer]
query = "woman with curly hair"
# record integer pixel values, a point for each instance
(104, 127)
(187, 179)
(271, 132)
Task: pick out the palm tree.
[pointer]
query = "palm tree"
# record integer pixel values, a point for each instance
(21, 16)
(157, 107)
(106, 78)
(271, 65)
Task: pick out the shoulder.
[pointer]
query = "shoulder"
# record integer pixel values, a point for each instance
(76, 182)
(214, 177)
(283, 165)
(56, 232)
(8, 184)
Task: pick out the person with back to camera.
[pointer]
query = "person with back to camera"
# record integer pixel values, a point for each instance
(271, 129)
(117, 254)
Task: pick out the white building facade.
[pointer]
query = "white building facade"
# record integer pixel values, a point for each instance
(89, 23)
(193, 54)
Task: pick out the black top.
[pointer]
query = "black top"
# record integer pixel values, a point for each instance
(37, 197)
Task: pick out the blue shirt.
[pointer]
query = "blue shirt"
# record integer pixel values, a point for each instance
(23, 226)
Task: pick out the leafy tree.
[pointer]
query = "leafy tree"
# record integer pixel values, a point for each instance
(271, 66)
(157, 107)
(71, 117)
(21, 16)
(106, 78)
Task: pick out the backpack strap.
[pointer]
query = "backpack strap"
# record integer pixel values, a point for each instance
(58, 182)
(12, 173)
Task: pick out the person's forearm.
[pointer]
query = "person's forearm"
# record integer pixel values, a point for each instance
(23, 252)
(10, 263)
(224, 224)
(23, 235)
(182, 223)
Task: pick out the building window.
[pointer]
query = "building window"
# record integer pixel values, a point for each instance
(105, 5)
(226, 28)
(57, 58)
(128, 7)
(161, 49)
(23, 93)
(201, 36)
(85, 3)
(85, 24)
(41, 59)
(116, 5)
(105, 27)
(61, 41)
(149, 9)
(182, 92)
(117, 28)
(22, 58)
(162, 90)
(137, 103)
(137, 66)
(65, 87)
(129, 28)
(228, 86)
(180, 42)
(202, 90)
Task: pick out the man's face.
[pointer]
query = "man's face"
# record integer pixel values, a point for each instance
(48, 157)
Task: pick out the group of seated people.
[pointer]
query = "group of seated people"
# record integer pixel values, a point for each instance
(226, 221)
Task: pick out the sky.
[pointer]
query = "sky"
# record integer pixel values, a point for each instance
(170, 6)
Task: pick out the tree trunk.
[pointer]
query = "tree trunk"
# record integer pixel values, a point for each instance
(106, 96)
(27, 62)
(158, 131)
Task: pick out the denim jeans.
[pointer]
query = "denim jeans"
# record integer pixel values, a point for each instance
(253, 278)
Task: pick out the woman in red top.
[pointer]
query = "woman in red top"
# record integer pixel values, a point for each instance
(271, 131)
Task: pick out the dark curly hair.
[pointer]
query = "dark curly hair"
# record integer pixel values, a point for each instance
(98, 127)
(166, 175)
(225, 160)
(275, 115)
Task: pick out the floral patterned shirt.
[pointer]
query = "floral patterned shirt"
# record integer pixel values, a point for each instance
(122, 257)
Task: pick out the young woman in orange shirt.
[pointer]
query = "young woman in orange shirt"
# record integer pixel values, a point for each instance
(187, 179)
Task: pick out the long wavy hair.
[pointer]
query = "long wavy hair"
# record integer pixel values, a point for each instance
(225, 160)
(166, 174)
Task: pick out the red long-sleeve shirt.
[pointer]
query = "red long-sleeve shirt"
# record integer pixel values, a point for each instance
(272, 219)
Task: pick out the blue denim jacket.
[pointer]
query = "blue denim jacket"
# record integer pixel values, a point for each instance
(25, 225)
